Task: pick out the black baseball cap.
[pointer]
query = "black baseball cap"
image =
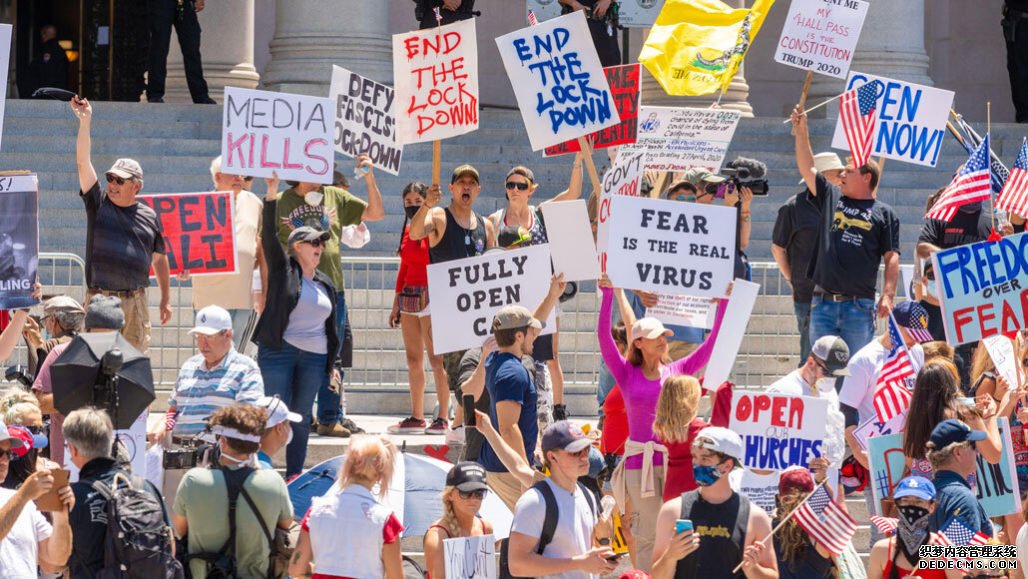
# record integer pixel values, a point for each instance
(467, 477)
(834, 353)
(563, 435)
(952, 430)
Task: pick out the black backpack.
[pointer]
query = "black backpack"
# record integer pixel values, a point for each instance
(138, 543)
(549, 525)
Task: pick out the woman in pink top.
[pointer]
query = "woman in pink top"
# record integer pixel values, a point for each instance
(640, 476)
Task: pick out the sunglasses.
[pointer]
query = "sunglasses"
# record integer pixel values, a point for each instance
(467, 495)
(315, 243)
(247, 179)
(116, 179)
(511, 185)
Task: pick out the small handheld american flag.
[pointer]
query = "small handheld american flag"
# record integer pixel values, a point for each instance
(532, 20)
(825, 521)
(438, 15)
(1014, 196)
(891, 396)
(886, 525)
(958, 534)
(857, 112)
(969, 186)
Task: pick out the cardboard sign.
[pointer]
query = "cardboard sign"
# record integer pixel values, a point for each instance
(911, 122)
(671, 246)
(996, 484)
(6, 31)
(198, 231)
(571, 240)
(470, 557)
(558, 80)
(729, 338)
(19, 236)
(435, 73)
(676, 139)
(623, 178)
(885, 456)
(467, 293)
(779, 431)
(624, 85)
(1001, 350)
(544, 9)
(761, 489)
(688, 311)
(871, 428)
(265, 133)
(983, 288)
(821, 35)
(365, 123)
(638, 13)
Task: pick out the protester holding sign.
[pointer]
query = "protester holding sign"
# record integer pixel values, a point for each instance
(462, 497)
(1010, 399)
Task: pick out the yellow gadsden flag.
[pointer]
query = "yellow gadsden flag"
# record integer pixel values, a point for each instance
(695, 46)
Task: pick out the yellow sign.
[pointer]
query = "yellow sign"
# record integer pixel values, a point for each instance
(618, 543)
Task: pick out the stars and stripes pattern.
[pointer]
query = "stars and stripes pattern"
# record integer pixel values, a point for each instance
(438, 15)
(891, 396)
(969, 186)
(532, 20)
(1014, 196)
(958, 534)
(857, 112)
(887, 525)
(825, 521)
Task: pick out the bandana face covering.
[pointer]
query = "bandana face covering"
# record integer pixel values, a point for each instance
(705, 475)
(912, 530)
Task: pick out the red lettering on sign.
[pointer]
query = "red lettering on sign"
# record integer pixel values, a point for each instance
(961, 318)
(984, 315)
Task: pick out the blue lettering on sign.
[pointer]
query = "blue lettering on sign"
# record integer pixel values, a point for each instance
(769, 453)
(898, 135)
(972, 268)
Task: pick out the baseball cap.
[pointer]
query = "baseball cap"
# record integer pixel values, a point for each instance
(721, 440)
(952, 430)
(826, 162)
(462, 170)
(27, 438)
(278, 412)
(795, 478)
(62, 304)
(915, 486)
(307, 233)
(515, 317)
(563, 435)
(523, 171)
(912, 316)
(467, 477)
(126, 169)
(833, 351)
(211, 320)
(649, 328)
(6, 435)
(699, 175)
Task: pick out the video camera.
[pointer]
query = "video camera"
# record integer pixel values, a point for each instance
(196, 451)
(744, 172)
(20, 375)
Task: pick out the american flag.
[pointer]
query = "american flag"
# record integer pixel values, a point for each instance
(891, 396)
(438, 15)
(857, 111)
(1014, 196)
(532, 20)
(969, 186)
(886, 525)
(825, 521)
(958, 534)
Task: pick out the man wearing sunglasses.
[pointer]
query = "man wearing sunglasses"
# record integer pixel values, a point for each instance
(62, 321)
(123, 236)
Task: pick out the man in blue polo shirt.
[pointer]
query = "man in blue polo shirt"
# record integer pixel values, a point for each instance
(951, 449)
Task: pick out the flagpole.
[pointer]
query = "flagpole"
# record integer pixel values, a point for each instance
(817, 106)
(785, 520)
(988, 154)
(803, 93)
(437, 145)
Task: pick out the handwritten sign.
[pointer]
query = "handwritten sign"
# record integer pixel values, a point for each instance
(265, 133)
(558, 80)
(679, 310)
(911, 120)
(470, 557)
(670, 246)
(1001, 350)
(996, 484)
(821, 35)
(639, 13)
(733, 328)
(885, 457)
(365, 124)
(571, 240)
(467, 293)
(435, 72)
(624, 85)
(676, 139)
(624, 178)
(198, 231)
(19, 238)
(871, 428)
(779, 431)
(983, 289)
(134, 441)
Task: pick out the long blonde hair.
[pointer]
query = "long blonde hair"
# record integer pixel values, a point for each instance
(676, 408)
(449, 518)
(369, 461)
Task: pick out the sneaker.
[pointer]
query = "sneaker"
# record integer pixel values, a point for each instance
(455, 435)
(351, 426)
(439, 426)
(409, 425)
(333, 430)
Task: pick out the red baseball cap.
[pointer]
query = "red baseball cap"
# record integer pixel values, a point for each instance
(795, 479)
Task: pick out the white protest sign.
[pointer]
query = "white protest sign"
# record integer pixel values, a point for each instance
(544, 9)
(871, 428)
(671, 246)
(1001, 350)
(676, 139)
(467, 293)
(365, 124)
(778, 430)
(266, 133)
(6, 31)
(679, 310)
(760, 488)
(623, 178)
(907, 275)
(638, 13)
(558, 80)
(571, 240)
(911, 122)
(996, 485)
(821, 35)
(134, 440)
(470, 557)
(435, 73)
(729, 338)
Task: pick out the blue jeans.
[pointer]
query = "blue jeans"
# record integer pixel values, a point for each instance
(330, 409)
(803, 325)
(605, 385)
(853, 321)
(295, 376)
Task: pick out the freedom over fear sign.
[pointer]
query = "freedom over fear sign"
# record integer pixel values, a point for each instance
(984, 288)
(365, 124)
(779, 431)
(821, 35)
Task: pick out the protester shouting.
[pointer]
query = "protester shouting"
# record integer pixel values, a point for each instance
(462, 497)
(798, 556)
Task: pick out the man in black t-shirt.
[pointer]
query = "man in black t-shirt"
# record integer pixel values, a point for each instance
(601, 27)
(855, 234)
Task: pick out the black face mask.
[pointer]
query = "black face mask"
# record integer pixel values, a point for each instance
(971, 207)
(912, 531)
(411, 211)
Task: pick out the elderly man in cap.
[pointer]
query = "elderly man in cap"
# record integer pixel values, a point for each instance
(123, 236)
(278, 430)
(954, 457)
(62, 321)
(794, 240)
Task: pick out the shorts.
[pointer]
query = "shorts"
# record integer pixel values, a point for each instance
(413, 299)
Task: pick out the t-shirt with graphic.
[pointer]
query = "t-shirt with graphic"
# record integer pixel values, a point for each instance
(338, 208)
(853, 236)
(964, 228)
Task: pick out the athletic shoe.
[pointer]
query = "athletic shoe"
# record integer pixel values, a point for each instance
(439, 426)
(351, 426)
(409, 425)
(455, 435)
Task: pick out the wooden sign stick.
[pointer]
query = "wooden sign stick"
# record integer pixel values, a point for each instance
(587, 152)
(803, 93)
(437, 154)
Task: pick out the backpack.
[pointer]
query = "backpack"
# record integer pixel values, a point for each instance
(221, 564)
(549, 525)
(138, 543)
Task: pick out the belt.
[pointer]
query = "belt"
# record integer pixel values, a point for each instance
(118, 293)
(837, 298)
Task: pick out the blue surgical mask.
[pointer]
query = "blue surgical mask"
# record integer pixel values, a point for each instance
(931, 288)
(705, 475)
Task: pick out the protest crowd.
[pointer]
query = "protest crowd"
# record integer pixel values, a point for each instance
(680, 473)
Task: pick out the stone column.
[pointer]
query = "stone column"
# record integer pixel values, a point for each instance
(312, 35)
(227, 49)
(891, 44)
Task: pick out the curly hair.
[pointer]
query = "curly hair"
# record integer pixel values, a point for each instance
(792, 539)
(369, 461)
(676, 408)
(247, 419)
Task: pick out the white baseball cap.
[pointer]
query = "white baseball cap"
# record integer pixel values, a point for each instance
(211, 320)
(649, 328)
(5, 435)
(278, 412)
(722, 440)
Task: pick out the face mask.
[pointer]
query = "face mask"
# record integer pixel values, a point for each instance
(825, 384)
(411, 211)
(313, 198)
(705, 475)
(231, 462)
(912, 530)
(971, 207)
(930, 287)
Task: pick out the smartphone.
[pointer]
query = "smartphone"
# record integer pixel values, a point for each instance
(682, 525)
(614, 558)
(469, 409)
(51, 502)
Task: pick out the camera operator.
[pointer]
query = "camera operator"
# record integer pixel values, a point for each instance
(602, 16)
(450, 10)
(62, 321)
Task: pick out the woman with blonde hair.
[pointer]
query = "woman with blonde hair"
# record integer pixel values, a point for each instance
(350, 516)
(462, 497)
(676, 425)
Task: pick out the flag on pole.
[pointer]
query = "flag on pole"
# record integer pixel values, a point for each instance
(825, 521)
(857, 112)
(1014, 196)
(972, 139)
(891, 396)
(532, 20)
(969, 186)
(886, 525)
(438, 15)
